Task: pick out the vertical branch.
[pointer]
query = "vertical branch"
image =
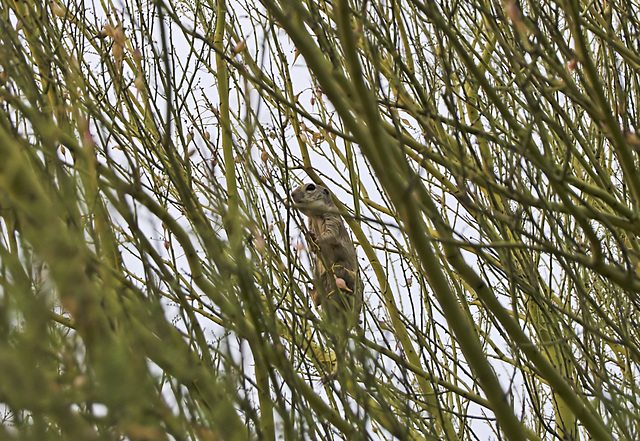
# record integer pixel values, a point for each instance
(222, 75)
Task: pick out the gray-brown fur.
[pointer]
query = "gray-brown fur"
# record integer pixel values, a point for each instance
(335, 254)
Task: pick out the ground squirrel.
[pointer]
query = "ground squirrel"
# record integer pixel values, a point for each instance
(338, 288)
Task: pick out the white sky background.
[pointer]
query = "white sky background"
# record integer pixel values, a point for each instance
(409, 298)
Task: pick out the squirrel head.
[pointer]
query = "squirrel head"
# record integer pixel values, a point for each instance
(312, 199)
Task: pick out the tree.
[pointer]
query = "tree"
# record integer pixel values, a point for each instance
(154, 273)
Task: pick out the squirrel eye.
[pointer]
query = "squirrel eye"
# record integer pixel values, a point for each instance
(310, 187)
